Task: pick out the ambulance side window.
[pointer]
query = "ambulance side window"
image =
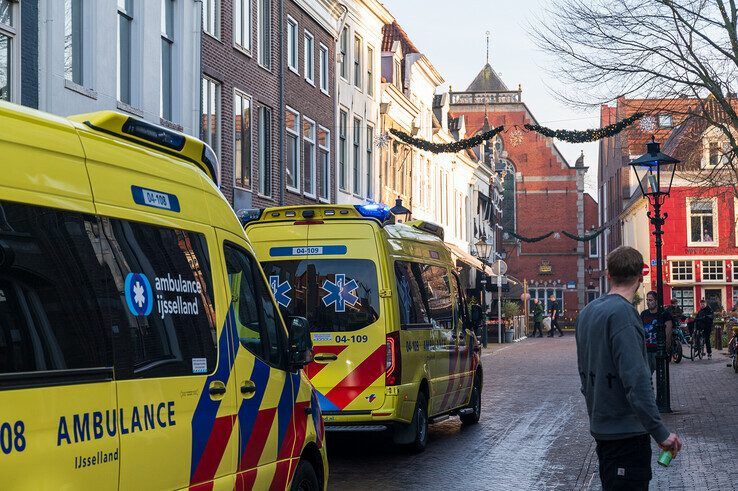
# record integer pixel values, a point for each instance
(257, 321)
(435, 282)
(165, 304)
(53, 293)
(411, 296)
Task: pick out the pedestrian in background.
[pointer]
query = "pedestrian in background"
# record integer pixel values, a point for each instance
(537, 318)
(614, 373)
(554, 310)
(649, 318)
(703, 322)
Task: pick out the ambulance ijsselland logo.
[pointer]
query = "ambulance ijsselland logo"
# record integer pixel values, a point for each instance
(139, 297)
(340, 293)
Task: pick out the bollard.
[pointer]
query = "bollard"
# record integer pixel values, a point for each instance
(718, 336)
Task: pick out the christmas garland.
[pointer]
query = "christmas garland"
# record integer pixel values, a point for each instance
(452, 147)
(529, 239)
(584, 238)
(583, 136)
(570, 136)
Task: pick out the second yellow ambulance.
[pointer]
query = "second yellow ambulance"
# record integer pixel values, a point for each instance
(394, 347)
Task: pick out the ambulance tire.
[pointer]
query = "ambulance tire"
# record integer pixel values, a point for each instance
(475, 404)
(420, 424)
(305, 478)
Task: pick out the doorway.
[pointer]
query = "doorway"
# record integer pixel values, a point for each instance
(714, 297)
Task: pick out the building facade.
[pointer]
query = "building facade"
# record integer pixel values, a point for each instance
(359, 95)
(240, 98)
(76, 56)
(700, 241)
(542, 193)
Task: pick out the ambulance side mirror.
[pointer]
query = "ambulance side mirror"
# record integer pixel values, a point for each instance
(301, 344)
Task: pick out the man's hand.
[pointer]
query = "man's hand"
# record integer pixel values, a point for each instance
(673, 444)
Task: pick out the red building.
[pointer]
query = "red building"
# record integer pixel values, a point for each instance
(543, 194)
(700, 241)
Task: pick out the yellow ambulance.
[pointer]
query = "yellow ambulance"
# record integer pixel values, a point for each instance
(140, 345)
(394, 347)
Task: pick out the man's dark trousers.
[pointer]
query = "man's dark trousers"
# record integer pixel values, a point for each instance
(625, 464)
(537, 327)
(554, 326)
(706, 335)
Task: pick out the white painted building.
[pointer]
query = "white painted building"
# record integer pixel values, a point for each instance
(141, 57)
(358, 75)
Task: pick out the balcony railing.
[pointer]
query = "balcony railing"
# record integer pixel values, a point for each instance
(506, 97)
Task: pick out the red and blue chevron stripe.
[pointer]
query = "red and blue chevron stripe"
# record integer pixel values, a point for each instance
(210, 434)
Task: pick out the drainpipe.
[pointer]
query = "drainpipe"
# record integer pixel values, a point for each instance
(336, 95)
(282, 62)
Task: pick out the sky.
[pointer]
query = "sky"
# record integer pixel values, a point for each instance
(451, 33)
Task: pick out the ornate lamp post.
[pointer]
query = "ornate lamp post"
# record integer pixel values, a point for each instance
(483, 250)
(653, 170)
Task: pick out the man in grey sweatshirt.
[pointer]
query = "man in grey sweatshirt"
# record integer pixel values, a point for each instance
(616, 380)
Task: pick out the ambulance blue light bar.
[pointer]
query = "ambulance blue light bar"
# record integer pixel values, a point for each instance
(246, 215)
(378, 211)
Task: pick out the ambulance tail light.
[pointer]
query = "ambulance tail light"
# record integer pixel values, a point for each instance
(393, 367)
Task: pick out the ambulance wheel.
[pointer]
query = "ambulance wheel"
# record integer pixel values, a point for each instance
(305, 478)
(475, 404)
(420, 423)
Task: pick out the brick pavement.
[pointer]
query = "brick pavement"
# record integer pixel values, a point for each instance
(534, 433)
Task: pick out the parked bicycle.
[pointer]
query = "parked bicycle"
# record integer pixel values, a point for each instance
(733, 349)
(678, 339)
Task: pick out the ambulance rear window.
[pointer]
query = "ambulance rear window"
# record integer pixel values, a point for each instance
(335, 295)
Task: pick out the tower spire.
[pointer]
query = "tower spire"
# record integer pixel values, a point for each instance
(487, 33)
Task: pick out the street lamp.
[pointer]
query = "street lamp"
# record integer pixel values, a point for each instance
(482, 249)
(399, 211)
(651, 169)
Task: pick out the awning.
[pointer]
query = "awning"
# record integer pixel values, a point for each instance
(468, 259)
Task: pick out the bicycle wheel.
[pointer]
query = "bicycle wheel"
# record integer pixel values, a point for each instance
(676, 351)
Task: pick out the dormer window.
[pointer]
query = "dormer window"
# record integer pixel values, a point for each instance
(665, 121)
(397, 75)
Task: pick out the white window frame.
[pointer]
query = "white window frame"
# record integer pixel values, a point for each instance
(356, 156)
(735, 274)
(265, 63)
(245, 21)
(325, 176)
(681, 304)
(264, 151)
(703, 274)
(357, 66)
(369, 158)
(293, 45)
(666, 117)
(343, 148)
(343, 46)
(370, 55)
(309, 61)
(310, 193)
(298, 157)
(716, 236)
(596, 254)
(215, 145)
(678, 270)
(244, 96)
(122, 12)
(324, 56)
(168, 37)
(12, 32)
(211, 6)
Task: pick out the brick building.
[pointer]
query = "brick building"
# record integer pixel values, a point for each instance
(310, 101)
(615, 180)
(240, 91)
(542, 193)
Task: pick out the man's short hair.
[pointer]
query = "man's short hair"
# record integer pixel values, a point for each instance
(624, 265)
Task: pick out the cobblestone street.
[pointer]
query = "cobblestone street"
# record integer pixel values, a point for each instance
(534, 434)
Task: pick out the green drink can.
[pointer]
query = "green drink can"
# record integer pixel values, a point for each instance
(665, 458)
